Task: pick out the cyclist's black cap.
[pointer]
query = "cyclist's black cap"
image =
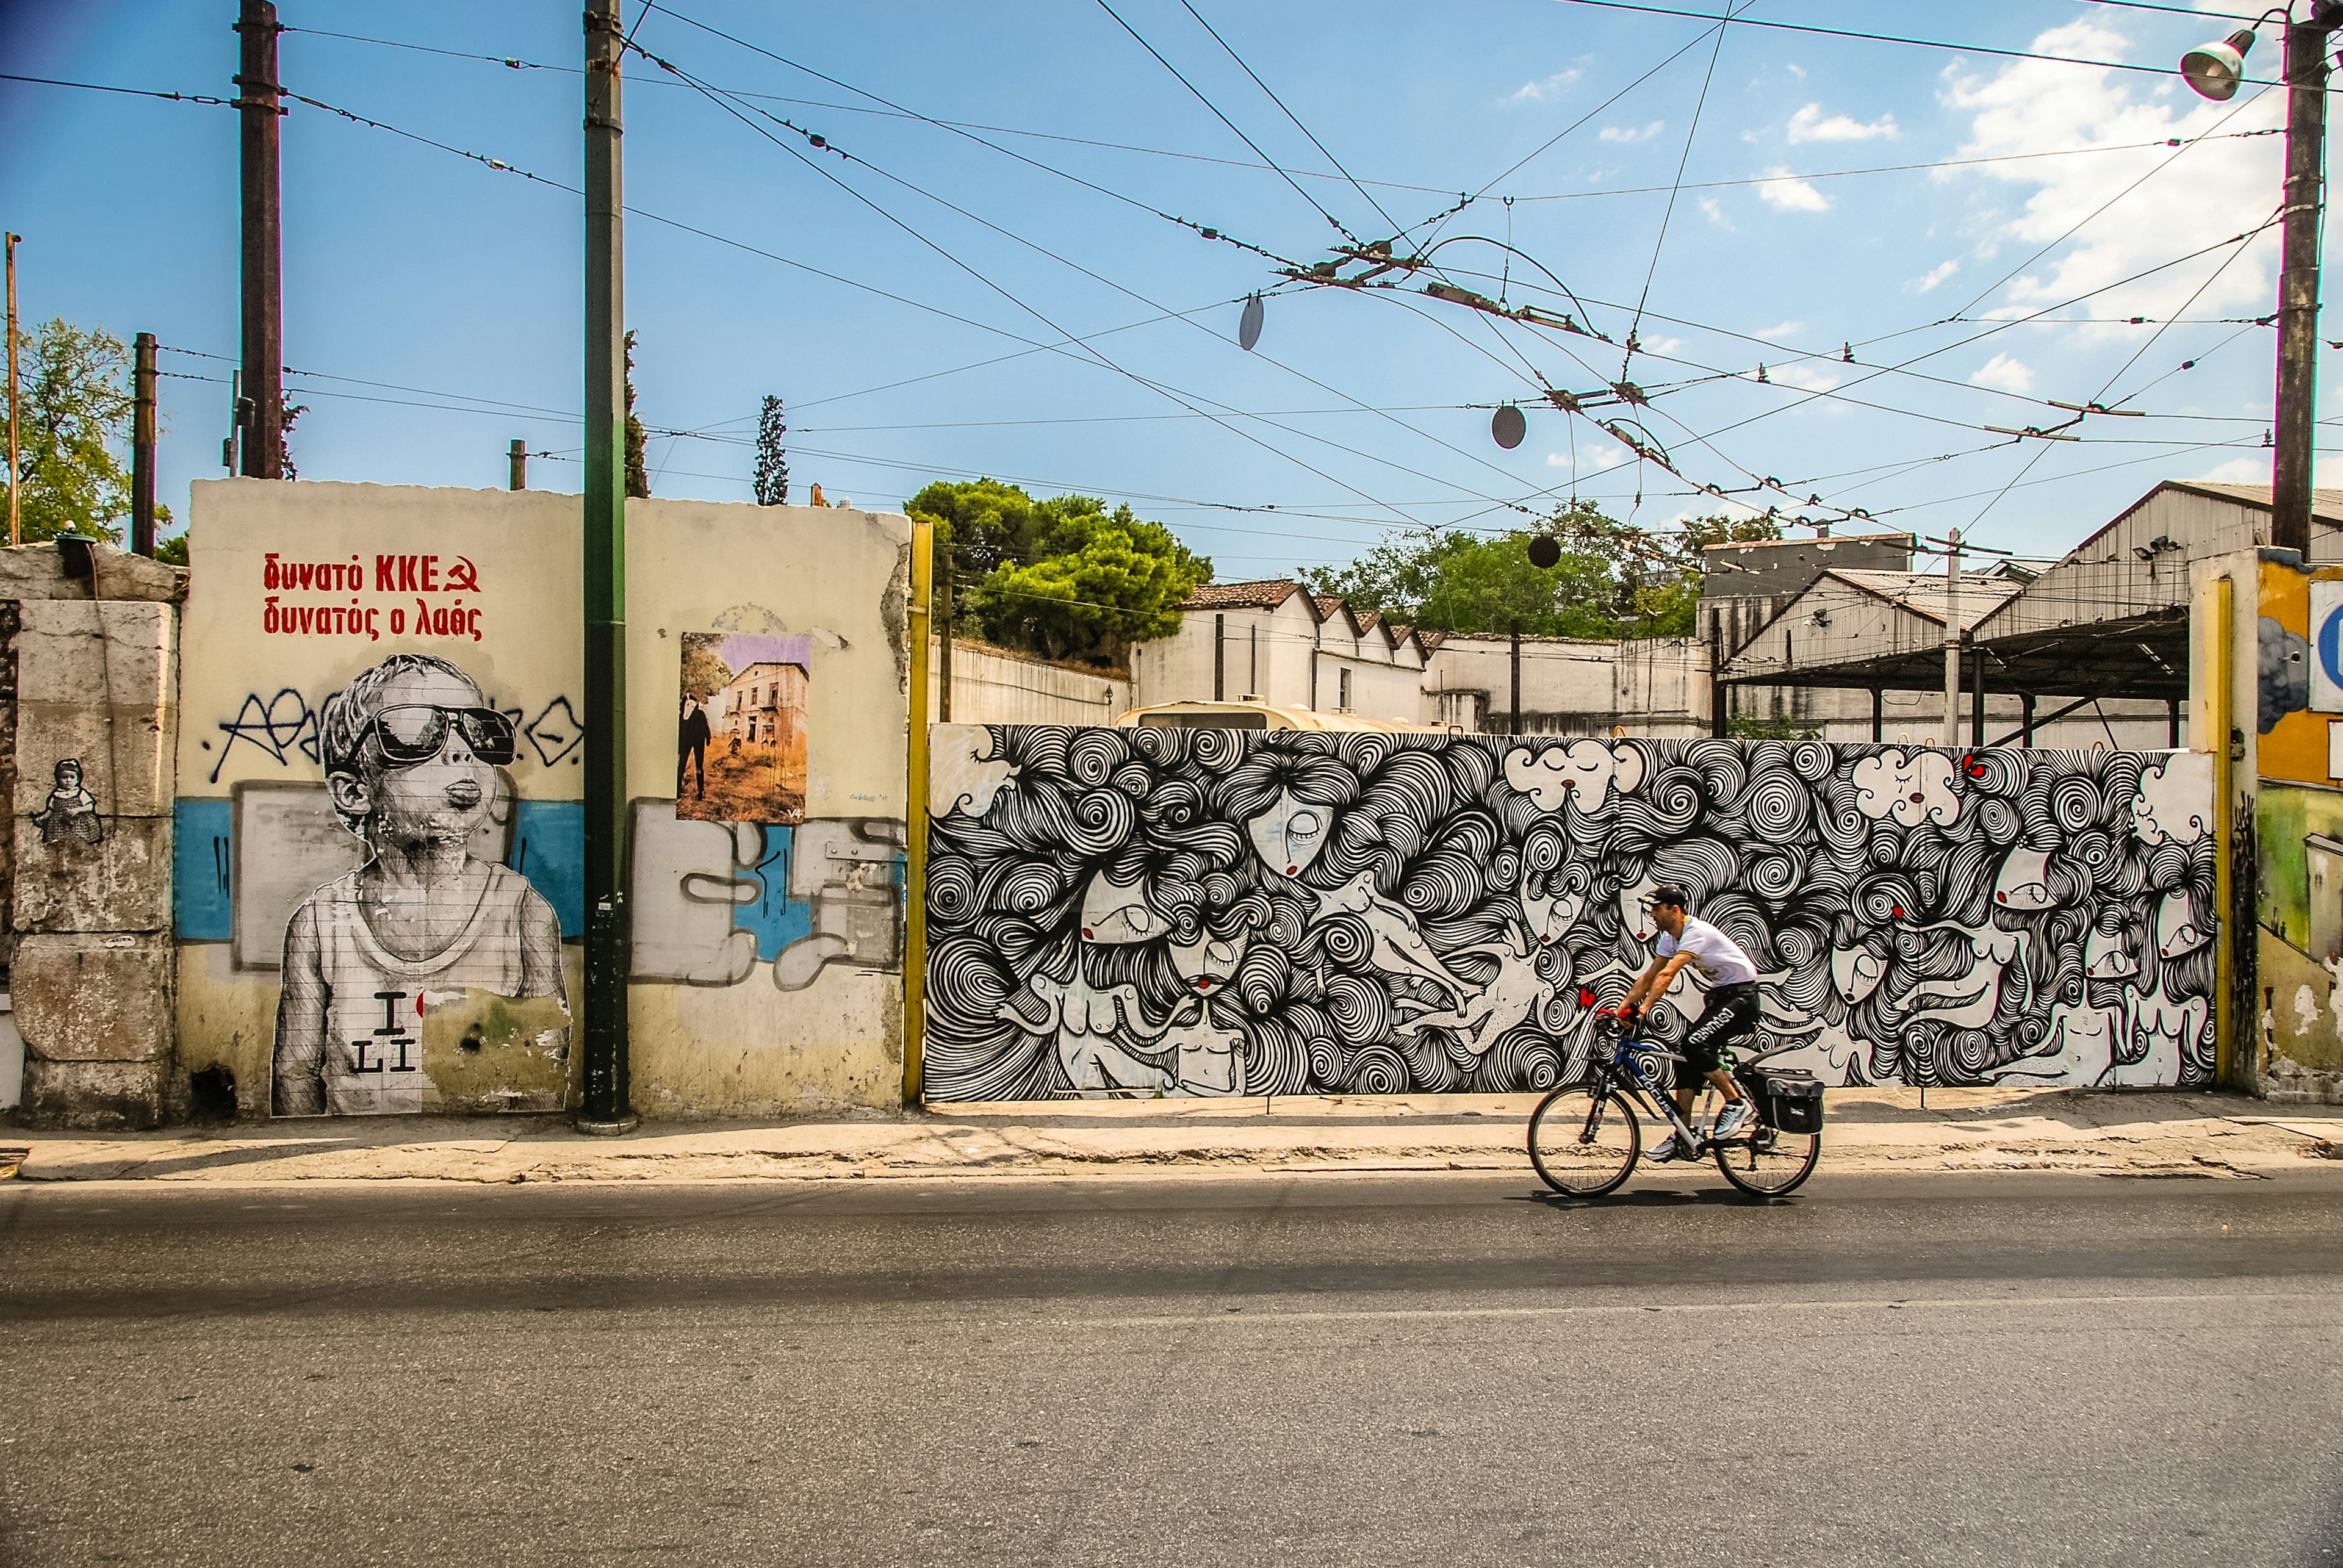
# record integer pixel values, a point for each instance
(1674, 897)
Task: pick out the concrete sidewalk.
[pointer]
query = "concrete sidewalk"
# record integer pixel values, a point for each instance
(2111, 1133)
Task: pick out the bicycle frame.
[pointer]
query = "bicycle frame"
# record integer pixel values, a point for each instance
(1619, 1077)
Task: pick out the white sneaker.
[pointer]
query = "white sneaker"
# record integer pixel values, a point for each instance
(1665, 1148)
(1733, 1118)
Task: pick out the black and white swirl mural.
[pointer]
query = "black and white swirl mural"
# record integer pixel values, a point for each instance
(1136, 912)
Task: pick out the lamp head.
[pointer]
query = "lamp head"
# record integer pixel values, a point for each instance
(2214, 70)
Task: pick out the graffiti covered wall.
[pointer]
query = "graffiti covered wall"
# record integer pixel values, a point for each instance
(379, 850)
(1154, 912)
(2298, 830)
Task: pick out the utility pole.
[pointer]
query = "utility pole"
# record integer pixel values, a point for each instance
(264, 282)
(517, 464)
(608, 1101)
(2297, 280)
(16, 474)
(142, 445)
(1515, 727)
(1953, 638)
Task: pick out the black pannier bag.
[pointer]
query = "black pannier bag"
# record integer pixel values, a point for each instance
(1793, 1101)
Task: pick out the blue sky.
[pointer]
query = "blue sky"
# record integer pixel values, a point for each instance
(443, 281)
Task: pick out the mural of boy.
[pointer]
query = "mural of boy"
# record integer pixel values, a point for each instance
(411, 750)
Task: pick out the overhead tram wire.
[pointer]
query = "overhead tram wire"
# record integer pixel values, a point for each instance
(201, 98)
(895, 111)
(1232, 125)
(1158, 388)
(1299, 374)
(2099, 399)
(1667, 214)
(1389, 221)
(2165, 71)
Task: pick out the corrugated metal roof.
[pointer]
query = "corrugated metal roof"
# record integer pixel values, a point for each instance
(1923, 593)
(2328, 504)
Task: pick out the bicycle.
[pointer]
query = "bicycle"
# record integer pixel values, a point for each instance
(1585, 1138)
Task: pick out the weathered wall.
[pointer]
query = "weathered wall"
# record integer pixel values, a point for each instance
(1215, 913)
(320, 875)
(995, 686)
(93, 661)
(1655, 688)
(2297, 827)
(769, 954)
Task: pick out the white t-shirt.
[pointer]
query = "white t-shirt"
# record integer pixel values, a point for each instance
(1717, 956)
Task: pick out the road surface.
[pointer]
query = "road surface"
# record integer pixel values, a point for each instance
(1434, 1369)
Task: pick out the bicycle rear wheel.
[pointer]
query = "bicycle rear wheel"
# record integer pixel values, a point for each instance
(1585, 1140)
(1766, 1163)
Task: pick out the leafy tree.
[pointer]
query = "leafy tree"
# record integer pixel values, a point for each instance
(1062, 576)
(772, 457)
(1612, 580)
(638, 474)
(73, 418)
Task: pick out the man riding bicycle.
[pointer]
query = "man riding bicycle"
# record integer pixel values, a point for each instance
(1729, 1019)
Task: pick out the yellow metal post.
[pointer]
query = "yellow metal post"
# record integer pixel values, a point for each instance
(915, 879)
(2220, 668)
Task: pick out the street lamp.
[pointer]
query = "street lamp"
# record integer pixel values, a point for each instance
(2214, 71)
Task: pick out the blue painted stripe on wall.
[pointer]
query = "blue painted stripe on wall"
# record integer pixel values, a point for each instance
(200, 864)
(549, 847)
(777, 921)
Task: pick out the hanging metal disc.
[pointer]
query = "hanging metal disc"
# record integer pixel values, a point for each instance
(1545, 554)
(1249, 324)
(1508, 427)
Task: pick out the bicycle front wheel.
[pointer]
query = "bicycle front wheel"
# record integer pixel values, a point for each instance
(1766, 1163)
(1585, 1140)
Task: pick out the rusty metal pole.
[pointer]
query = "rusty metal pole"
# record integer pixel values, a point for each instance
(264, 281)
(2298, 281)
(142, 445)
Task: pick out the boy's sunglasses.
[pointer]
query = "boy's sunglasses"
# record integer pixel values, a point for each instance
(412, 732)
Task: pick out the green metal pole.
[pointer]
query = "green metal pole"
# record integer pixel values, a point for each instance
(607, 1104)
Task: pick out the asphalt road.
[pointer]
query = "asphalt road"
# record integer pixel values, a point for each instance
(1312, 1369)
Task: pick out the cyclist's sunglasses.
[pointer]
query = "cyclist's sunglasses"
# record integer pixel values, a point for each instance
(413, 732)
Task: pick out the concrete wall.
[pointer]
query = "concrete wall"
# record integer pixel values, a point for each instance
(92, 666)
(996, 686)
(766, 904)
(1652, 687)
(1283, 656)
(1143, 912)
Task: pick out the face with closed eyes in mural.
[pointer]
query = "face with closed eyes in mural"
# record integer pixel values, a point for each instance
(1209, 962)
(1290, 834)
(1115, 913)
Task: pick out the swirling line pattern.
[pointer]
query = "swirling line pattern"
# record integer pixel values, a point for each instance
(1155, 911)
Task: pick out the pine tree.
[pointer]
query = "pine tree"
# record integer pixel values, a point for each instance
(772, 457)
(638, 474)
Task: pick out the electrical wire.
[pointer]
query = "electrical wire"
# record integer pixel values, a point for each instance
(1895, 38)
(1667, 213)
(126, 91)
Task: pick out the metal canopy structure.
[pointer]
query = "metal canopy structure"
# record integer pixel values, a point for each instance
(2109, 620)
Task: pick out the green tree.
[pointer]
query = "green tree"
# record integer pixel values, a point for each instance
(772, 477)
(638, 474)
(1613, 579)
(1063, 576)
(74, 418)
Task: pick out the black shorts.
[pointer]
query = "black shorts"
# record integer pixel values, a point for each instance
(1731, 1019)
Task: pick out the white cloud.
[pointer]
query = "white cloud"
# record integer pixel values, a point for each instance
(1779, 330)
(1805, 378)
(1809, 125)
(2005, 373)
(1781, 192)
(1591, 455)
(1796, 70)
(2220, 188)
(1935, 276)
(1547, 91)
(1715, 212)
(1630, 134)
(1662, 345)
(2240, 471)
